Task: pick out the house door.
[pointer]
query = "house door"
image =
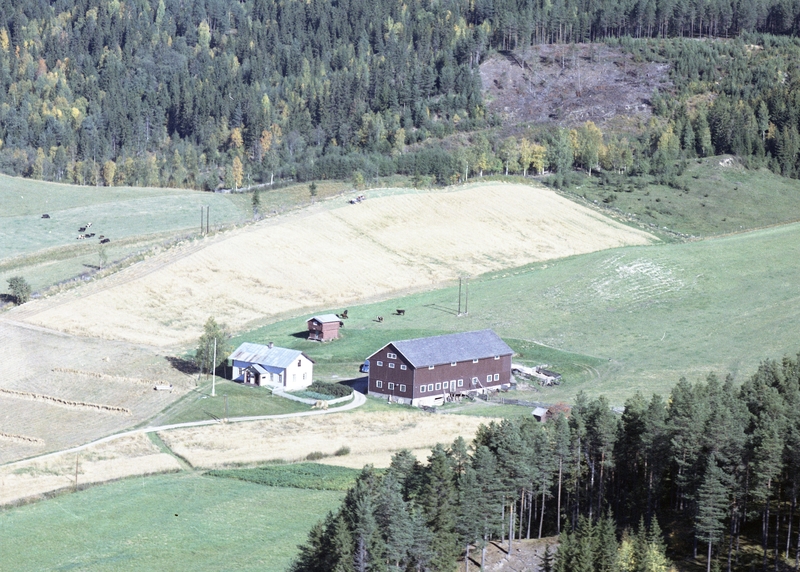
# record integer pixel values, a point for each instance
(452, 386)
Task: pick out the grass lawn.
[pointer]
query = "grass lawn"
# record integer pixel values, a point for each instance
(613, 322)
(243, 401)
(299, 476)
(715, 199)
(166, 522)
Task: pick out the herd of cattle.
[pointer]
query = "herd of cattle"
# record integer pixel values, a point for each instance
(84, 235)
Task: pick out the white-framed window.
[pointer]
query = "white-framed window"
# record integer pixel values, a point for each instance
(496, 357)
(304, 374)
(422, 389)
(460, 383)
(378, 363)
(391, 365)
(403, 366)
(475, 361)
(402, 388)
(294, 377)
(378, 383)
(391, 385)
(430, 387)
(438, 386)
(391, 356)
(497, 377)
(430, 367)
(489, 378)
(453, 363)
(474, 381)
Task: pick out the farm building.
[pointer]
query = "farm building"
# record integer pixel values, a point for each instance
(271, 366)
(429, 371)
(323, 328)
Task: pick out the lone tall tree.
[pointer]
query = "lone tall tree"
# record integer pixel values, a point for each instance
(20, 289)
(205, 347)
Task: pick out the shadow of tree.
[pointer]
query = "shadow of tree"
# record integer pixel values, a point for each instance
(8, 299)
(182, 365)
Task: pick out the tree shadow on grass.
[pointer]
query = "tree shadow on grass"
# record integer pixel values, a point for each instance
(182, 365)
(8, 299)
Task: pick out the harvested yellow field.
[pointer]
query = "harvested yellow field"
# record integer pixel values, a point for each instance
(331, 255)
(371, 437)
(125, 457)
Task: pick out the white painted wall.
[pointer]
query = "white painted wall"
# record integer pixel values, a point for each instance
(298, 376)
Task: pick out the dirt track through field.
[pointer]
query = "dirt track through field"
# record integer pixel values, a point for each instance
(331, 257)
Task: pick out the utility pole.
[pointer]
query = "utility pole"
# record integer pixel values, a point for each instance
(214, 373)
(459, 295)
(466, 298)
(208, 214)
(226, 407)
(77, 456)
(201, 221)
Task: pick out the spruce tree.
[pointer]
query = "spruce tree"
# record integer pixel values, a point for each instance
(712, 501)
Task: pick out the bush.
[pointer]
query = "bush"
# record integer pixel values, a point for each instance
(335, 389)
(315, 456)
(342, 451)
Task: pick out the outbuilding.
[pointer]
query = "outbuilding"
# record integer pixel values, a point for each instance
(269, 365)
(430, 371)
(324, 327)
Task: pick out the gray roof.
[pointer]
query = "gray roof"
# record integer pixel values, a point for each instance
(259, 369)
(325, 318)
(265, 355)
(450, 348)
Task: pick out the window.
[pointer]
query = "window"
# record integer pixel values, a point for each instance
(391, 365)
(460, 383)
(391, 356)
(496, 357)
(378, 363)
(391, 385)
(497, 377)
(438, 386)
(298, 363)
(430, 387)
(402, 388)
(474, 381)
(489, 378)
(403, 366)
(430, 367)
(453, 363)
(422, 389)
(474, 361)
(304, 375)
(378, 383)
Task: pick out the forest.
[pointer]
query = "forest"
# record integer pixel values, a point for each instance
(211, 94)
(715, 466)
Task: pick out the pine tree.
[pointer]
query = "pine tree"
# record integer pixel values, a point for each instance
(438, 502)
(712, 501)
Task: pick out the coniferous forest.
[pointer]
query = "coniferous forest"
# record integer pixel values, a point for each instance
(210, 94)
(713, 466)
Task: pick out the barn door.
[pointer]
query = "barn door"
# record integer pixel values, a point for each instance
(452, 386)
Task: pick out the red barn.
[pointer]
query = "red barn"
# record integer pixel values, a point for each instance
(323, 328)
(429, 371)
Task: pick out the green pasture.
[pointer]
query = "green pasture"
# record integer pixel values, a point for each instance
(300, 475)
(713, 199)
(168, 522)
(242, 401)
(613, 322)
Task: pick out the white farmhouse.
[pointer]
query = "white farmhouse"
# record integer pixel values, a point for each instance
(271, 366)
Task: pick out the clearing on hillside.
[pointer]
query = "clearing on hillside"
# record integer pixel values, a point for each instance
(332, 255)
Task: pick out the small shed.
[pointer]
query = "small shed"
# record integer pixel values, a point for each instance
(540, 413)
(324, 327)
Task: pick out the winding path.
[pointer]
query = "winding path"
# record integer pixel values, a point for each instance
(358, 400)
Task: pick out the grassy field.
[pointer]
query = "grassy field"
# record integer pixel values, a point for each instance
(714, 199)
(281, 266)
(298, 476)
(242, 400)
(614, 322)
(167, 522)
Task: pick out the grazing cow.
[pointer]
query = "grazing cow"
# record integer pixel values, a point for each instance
(401, 312)
(105, 240)
(90, 235)
(80, 237)
(88, 224)
(45, 215)
(101, 237)
(379, 319)
(82, 229)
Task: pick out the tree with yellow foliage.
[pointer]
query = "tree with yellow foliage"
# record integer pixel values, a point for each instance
(237, 172)
(109, 170)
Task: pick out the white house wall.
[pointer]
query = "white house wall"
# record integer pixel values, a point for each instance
(299, 376)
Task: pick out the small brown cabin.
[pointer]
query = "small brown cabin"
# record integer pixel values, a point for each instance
(323, 328)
